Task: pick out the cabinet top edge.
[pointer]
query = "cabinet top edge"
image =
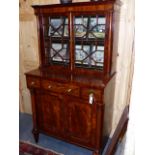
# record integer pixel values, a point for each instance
(75, 4)
(67, 78)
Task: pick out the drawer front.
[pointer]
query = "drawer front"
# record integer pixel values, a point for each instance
(60, 87)
(33, 82)
(97, 94)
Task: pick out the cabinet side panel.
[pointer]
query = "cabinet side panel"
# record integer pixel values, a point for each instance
(108, 112)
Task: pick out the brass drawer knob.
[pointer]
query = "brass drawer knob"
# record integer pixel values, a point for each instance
(49, 86)
(69, 90)
(32, 83)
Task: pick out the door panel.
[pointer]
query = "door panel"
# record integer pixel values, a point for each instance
(50, 113)
(81, 121)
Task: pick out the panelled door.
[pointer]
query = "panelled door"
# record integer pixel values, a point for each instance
(81, 121)
(50, 113)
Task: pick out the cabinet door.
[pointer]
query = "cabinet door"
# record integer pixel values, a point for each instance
(89, 32)
(49, 113)
(55, 31)
(81, 121)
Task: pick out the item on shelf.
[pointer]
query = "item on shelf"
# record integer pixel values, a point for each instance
(96, 0)
(65, 1)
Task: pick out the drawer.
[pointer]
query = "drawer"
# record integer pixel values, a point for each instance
(97, 94)
(60, 87)
(33, 82)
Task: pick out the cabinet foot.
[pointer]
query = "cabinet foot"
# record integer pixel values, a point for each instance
(96, 153)
(36, 135)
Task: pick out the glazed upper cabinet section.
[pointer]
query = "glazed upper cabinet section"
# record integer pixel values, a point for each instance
(89, 36)
(87, 41)
(76, 38)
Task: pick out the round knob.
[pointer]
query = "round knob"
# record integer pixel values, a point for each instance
(32, 83)
(69, 90)
(49, 86)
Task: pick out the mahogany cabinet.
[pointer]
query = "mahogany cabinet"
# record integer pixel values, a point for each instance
(67, 90)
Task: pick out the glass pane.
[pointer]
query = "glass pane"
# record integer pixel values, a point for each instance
(89, 26)
(89, 56)
(97, 27)
(81, 53)
(58, 27)
(81, 26)
(89, 41)
(97, 55)
(56, 39)
(59, 52)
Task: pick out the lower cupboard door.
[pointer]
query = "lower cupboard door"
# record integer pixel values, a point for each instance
(81, 121)
(50, 114)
